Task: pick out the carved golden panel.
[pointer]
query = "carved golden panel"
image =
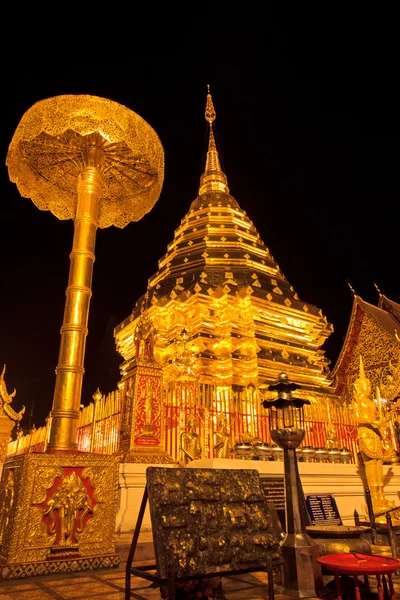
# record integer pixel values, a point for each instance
(52, 510)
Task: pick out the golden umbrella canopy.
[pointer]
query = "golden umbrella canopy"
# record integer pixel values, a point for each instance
(48, 151)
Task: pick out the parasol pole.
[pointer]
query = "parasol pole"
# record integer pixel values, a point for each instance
(74, 330)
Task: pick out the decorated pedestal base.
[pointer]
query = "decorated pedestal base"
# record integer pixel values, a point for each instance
(142, 424)
(57, 514)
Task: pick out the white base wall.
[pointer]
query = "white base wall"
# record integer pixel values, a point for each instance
(341, 481)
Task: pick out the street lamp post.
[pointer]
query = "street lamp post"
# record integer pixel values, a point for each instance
(302, 576)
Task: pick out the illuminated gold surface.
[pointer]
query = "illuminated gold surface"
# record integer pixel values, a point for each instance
(95, 161)
(222, 442)
(190, 442)
(142, 426)
(47, 154)
(70, 367)
(8, 416)
(372, 440)
(55, 509)
(213, 177)
(6, 399)
(225, 315)
(371, 334)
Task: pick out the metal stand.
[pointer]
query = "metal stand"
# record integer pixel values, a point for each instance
(149, 572)
(302, 577)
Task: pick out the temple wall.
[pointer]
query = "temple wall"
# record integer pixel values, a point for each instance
(342, 481)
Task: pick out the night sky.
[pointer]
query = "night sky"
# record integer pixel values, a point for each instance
(308, 133)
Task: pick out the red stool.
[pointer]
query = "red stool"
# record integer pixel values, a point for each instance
(356, 564)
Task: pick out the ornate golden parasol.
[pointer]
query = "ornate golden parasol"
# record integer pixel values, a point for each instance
(49, 150)
(94, 161)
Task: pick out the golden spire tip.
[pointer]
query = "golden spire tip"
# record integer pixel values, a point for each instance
(210, 110)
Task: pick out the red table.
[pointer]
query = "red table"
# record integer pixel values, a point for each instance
(355, 564)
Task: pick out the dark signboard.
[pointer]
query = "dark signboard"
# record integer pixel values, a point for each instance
(209, 521)
(323, 509)
(274, 491)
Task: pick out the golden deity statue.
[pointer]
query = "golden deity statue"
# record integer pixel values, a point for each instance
(190, 442)
(144, 339)
(222, 445)
(148, 427)
(373, 443)
(72, 503)
(332, 441)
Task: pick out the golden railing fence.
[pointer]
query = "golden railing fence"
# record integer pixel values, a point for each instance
(99, 423)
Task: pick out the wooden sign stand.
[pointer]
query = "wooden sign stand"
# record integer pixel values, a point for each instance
(149, 572)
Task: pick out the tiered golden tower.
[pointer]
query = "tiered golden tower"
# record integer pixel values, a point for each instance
(220, 302)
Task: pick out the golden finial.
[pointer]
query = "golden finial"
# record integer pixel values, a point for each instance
(213, 178)
(396, 335)
(97, 395)
(351, 288)
(210, 110)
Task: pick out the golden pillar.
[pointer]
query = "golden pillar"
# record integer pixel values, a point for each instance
(100, 164)
(67, 394)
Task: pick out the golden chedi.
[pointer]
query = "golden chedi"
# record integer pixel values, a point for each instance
(219, 293)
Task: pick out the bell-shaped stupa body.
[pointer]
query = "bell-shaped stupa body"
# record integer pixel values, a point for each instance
(218, 282)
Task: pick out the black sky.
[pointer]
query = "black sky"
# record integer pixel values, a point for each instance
(308, 132)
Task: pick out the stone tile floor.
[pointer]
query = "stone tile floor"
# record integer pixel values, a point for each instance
(110, 584)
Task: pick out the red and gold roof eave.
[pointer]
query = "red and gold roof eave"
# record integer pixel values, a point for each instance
(350, 341)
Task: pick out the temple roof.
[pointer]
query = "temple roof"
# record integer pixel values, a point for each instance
(363, 312)
(391, 307)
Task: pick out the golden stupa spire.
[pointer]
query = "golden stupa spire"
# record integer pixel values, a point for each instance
(213, 178)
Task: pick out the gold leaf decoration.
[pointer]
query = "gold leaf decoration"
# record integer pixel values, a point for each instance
(44, 480)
